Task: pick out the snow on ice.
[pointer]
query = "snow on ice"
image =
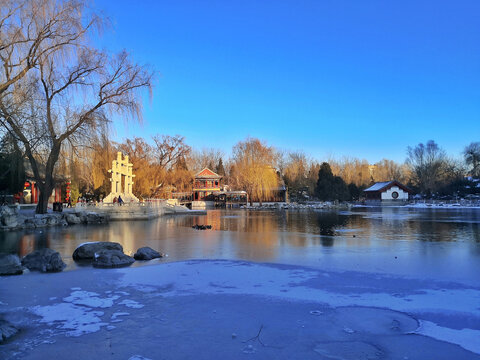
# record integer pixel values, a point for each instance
(236, 309)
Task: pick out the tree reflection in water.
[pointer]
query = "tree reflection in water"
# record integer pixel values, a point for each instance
(268, 235)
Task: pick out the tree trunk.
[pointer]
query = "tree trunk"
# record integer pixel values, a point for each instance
(49, 184)
(45, 192)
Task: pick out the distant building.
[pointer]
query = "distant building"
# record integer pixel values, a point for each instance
(387, 191)
(31, 192)
(206, 183)
(208, 192)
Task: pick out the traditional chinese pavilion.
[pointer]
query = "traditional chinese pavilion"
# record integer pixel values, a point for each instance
(206, 183)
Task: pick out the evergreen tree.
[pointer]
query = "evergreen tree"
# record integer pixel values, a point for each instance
(330, 187)
(354, 191)
(220, 170)
(12, 171)
(340, 189)
(324, 182)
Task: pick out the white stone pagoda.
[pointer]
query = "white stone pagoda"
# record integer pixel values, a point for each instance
(121, 168)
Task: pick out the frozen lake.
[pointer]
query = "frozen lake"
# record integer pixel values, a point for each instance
(384, 283)
(431, 243)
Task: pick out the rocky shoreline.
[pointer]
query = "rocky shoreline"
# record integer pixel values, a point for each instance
(11, 219)
(327, 205)
(98, 254)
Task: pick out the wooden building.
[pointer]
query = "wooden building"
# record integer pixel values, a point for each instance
(230, 199)
(205, 184)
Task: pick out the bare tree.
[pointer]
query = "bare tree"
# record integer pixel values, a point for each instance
(428, 163)
(66, 90)
(206, 158)
(31, 31)
(295, 172)
(149, 175)
(170, 150)
(386, 170)
(471, 155)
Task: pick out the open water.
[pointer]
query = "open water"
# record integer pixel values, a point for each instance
(435, 243)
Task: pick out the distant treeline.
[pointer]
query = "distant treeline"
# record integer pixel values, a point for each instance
(166, 164)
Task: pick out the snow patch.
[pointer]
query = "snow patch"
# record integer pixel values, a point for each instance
(131, 304)
(90, 299)
(77, 320)
(117, 314)
(466, 338)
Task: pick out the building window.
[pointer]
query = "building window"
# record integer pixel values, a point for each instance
(395, 195)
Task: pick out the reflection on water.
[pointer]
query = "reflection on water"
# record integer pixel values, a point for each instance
(357, 239)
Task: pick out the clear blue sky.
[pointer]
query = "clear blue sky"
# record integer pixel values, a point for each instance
(355, 78)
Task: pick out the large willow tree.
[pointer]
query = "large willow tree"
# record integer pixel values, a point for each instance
(55, 87)
(254, 162)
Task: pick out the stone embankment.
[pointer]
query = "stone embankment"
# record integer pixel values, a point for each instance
(297, 206)
(13, 219)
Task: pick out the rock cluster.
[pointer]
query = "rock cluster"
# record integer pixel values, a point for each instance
(201, 227)
(44, 260)
(110, 254)
(297, 206)
(99, 254)
(10, 219)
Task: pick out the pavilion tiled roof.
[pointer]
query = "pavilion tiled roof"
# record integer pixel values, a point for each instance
(206, 173)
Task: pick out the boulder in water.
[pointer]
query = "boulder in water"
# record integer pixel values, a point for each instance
(72, 219)
(52, 220)
(112, 259)
(8, 217)
(44, 260)
(202, 227)
(146, 253)
(7, 330)
(87, 251)
(10, 265)
(94, 218)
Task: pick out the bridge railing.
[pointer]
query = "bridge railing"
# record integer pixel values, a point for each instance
(183, 196)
